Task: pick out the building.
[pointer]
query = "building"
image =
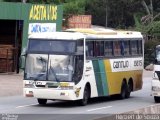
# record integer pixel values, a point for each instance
(17, 21)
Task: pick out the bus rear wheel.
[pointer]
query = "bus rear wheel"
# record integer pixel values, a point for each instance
(42, 101)
(86, 96)
(157, 99)
(129, 89)
(123, 91)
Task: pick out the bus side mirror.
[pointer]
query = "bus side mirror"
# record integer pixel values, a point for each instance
(22, 59)
(155, 61)
(22, 62)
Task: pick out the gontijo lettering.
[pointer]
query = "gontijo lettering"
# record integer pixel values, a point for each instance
(120, 64)
(42, 12)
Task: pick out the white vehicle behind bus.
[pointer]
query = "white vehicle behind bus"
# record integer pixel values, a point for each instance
(156, 74)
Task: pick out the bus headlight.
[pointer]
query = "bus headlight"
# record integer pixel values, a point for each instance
(29, 84)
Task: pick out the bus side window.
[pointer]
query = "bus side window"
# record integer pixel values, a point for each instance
(79, 64)
(89, 48)
(140, 47)
(99, 49)
(134, 47)
(122, 47)
(80, 48)
(126, 48)
(108, 48)
(117, 48)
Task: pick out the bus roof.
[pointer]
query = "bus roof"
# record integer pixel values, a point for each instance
(57, 35)
(95, 31)
(106, 33)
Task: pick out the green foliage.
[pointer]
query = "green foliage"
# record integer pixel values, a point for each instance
(149, 51)
(154, 28)
(137, 19)
(38, 1)
(74, 7)
(11, 0)
(97, 8)
(121, 14)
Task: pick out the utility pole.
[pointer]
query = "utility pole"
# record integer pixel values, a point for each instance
(106, 16)
(106, 13)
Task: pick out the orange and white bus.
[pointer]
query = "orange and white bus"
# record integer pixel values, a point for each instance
(82, 64)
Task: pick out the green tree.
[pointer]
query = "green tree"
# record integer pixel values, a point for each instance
(97, 8)
(119, 14)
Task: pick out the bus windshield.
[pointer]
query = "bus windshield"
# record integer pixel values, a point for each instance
(49, 67)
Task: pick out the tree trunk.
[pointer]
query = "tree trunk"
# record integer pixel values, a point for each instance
(145, 6)
(151, 8)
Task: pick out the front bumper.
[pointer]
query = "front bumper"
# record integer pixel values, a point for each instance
(155, 87)
(50, 94)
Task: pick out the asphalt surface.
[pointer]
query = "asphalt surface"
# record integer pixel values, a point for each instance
(11, 84)
(12, 102)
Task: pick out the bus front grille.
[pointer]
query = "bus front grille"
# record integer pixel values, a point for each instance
(40, 86)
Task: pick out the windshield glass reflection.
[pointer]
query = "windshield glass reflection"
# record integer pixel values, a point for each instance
(60, 68)
(49, 67)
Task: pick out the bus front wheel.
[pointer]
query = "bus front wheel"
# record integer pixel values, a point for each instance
(85, 98)
(42, 101)
(157, 99)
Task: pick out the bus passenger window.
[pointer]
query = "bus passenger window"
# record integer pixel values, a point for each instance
(80, 46)
(117, 48)
(140, 47)
(122, 47)
(126, 48)
(89, 49)
(99, 49)
(134, 47)
(79, 64)
(108, 48)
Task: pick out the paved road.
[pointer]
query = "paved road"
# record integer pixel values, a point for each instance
(65, 110)
(11, 84)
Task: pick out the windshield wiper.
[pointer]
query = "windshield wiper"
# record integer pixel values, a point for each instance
(40, 77)
(51, 68)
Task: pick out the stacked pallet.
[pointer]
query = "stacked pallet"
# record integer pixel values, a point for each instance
(6, 58)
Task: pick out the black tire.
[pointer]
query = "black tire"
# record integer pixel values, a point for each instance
(123, 93)
(129, 89)
(157, 99)
(42, 101)
(86, 96)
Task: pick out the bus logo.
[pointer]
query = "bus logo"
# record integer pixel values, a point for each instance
(38, 83)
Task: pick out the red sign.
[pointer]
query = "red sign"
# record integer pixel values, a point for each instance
(80, 21)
